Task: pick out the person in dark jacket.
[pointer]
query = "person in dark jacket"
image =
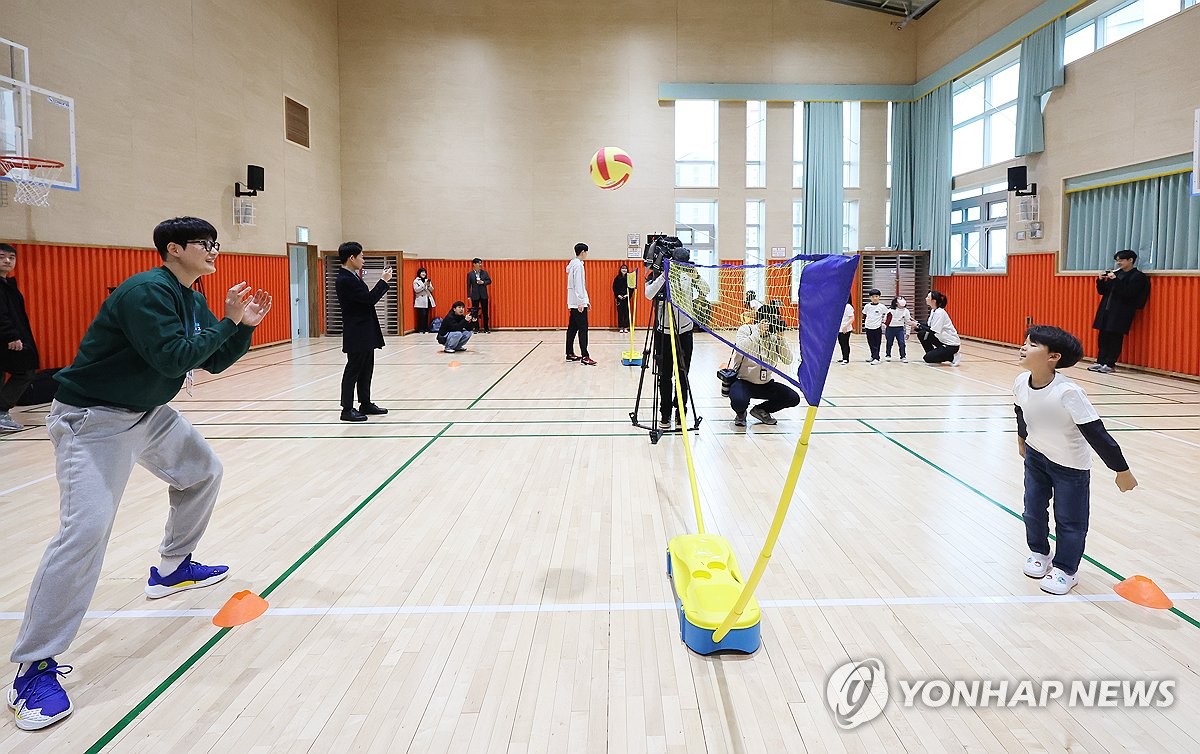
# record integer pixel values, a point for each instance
(361, 333)
(110, 413)
(621, 291)
(18, 353)
(1122, 292)
(478, 281)
(456, 328)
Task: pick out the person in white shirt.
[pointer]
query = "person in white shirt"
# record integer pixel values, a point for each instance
(1056, 424)
(873, 313)
(938, 336)
(423, 301)
(578, 304)
(764, 341)
(895, 324)
(844, 331)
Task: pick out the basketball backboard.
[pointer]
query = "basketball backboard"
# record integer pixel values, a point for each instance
(34, 121)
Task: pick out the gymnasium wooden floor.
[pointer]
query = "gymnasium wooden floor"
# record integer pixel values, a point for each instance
(483, 568)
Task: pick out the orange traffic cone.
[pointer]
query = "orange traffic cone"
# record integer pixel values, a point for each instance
(1142, 591)
(242, 607)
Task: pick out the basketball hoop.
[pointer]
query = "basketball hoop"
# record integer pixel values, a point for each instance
(32, 176)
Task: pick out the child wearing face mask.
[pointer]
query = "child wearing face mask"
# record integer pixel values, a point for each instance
(423, 301)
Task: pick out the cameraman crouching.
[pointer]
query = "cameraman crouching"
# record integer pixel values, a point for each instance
(688, 287)
(764, 341)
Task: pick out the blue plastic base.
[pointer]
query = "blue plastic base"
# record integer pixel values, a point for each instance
(700, 641)
(631, 362)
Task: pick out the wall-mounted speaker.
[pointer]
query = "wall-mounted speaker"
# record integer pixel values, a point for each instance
(1018, 178)
(255, 177)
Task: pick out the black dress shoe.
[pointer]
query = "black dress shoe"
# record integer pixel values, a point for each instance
(370, 409)
(350, 415)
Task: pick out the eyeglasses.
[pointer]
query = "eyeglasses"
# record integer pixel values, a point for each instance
(207, 244)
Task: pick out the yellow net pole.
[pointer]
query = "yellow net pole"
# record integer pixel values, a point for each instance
(785, 500)
(631, 305)
(687, 445)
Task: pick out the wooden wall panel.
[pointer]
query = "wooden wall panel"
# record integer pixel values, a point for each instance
(995, 307)
(64, 287)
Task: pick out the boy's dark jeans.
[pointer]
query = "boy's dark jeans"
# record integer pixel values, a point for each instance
(874, 340)
(1071, 490)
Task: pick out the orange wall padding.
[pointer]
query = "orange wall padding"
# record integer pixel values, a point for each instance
(524, 293)
(64, 286)
(994, 307)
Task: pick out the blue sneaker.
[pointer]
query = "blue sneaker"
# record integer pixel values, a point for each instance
(37, 697)
(189, 575)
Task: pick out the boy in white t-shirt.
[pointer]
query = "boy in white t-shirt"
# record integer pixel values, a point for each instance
(873, 323)
(1056, 424)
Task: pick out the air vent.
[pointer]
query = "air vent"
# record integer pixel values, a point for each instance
(296, 121)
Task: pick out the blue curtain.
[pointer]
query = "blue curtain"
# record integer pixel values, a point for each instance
(921, 176)
(1156, 217)
(823, 178)
(1041, 71)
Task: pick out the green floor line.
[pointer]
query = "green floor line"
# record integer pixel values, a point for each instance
(159, 690)
(497, 382)
(1010, 511)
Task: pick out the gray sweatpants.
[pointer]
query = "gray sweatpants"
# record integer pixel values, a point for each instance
(95, 450)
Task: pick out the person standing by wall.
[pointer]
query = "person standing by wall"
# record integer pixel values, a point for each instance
(578, 304)
(478, 281)
(621, 292)
(1123, 291)
(361, 333)
(423, 301)
(18, 353)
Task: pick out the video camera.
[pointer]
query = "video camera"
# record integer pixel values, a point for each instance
(660, 248)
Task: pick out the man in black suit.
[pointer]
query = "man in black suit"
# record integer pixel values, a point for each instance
(1123, 292)
(361, 333)
(478, 281)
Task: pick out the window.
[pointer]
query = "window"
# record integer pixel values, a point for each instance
(756, 144)
(850, 226)
(797, 244)
(755, 278)
(985, 116)
(696, 227)
(851, 143)
(696, 143)
(798, 145)
(979, 228)
(1106, 21)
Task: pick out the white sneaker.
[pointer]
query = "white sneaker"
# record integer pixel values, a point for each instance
(903, 359)
(956, 360)
(9, 424)
(873, 362)
(1037, 565)
(1059, 582)
(887, 358)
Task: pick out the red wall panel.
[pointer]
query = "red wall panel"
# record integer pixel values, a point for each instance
(65, 285)
(995, 307)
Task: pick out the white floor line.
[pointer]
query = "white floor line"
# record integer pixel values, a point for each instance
(1156, 432)
(622, 607)
(39, 480)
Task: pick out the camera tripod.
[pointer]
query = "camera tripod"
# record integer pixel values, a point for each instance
(650, 361)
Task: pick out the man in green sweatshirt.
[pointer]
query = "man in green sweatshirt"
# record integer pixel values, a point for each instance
(110, 412)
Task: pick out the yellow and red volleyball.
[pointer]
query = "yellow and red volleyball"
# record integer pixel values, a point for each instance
(611, 167)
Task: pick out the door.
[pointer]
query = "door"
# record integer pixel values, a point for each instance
(298, 279)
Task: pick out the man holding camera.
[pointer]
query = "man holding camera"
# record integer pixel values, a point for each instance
(687, 287)
(763, 341)
(1123, 291)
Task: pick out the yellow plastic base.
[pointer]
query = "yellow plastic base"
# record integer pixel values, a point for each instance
(708, 581)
